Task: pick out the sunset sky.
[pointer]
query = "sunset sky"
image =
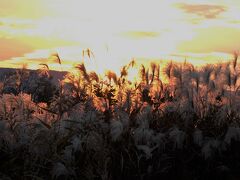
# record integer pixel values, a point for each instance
(117, 31)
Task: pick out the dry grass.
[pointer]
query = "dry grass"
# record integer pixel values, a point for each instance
(111, 128)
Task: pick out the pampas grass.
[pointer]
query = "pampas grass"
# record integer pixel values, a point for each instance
(176, 121)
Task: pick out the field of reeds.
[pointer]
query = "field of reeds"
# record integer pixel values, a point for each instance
(174, 122)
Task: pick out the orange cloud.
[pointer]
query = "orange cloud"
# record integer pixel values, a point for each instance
(203, 10)
(12, 48)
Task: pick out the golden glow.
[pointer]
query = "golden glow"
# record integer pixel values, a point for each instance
(117, 31)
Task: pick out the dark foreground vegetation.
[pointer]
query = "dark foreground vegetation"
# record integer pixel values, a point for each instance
(92, 127)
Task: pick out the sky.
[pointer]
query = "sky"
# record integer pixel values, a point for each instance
(117, 31)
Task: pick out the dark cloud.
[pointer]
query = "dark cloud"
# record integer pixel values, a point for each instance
(140, 34)
(204, 10)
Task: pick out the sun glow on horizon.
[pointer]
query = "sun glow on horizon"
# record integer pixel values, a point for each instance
(200, 32)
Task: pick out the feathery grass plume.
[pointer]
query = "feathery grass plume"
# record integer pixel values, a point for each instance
(128, 101)
(235, 54)
(153, 69)
(131, 64)
(83, 71)
(93, 76)
(217, 73)
(235, 79)
(161, 86)
(146, 150)
(206, 73)
(196, 78)
(123, 72)
(3, 127)
(147, 76)
(209, 148)
(77, 144)
(178, 137)
(112, 76)
(56, 55)
(218, 68)
(198, 137)
(83, 54)
(212, 86)
(158, 72)
(168, 70)
(159, 139)
(143, 134)
(228, 75)
(45, 65)
(142, 73)
(59, 169)
(177, 71)
(116, 129)
(94, 141)
(24, 66)
(44, 70)
(90, 53)
(233, 133)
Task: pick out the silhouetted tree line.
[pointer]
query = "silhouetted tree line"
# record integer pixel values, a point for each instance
(39, 84)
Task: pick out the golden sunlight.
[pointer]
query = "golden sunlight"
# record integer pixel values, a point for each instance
(116, 32)
(119, 89)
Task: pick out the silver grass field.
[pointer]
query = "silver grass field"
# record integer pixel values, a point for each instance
(174, 122)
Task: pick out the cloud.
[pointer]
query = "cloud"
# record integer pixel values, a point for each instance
(234, 21)
(30, 9)
(203, 10)
(16, 25)
(12, 48)
(140, 34)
